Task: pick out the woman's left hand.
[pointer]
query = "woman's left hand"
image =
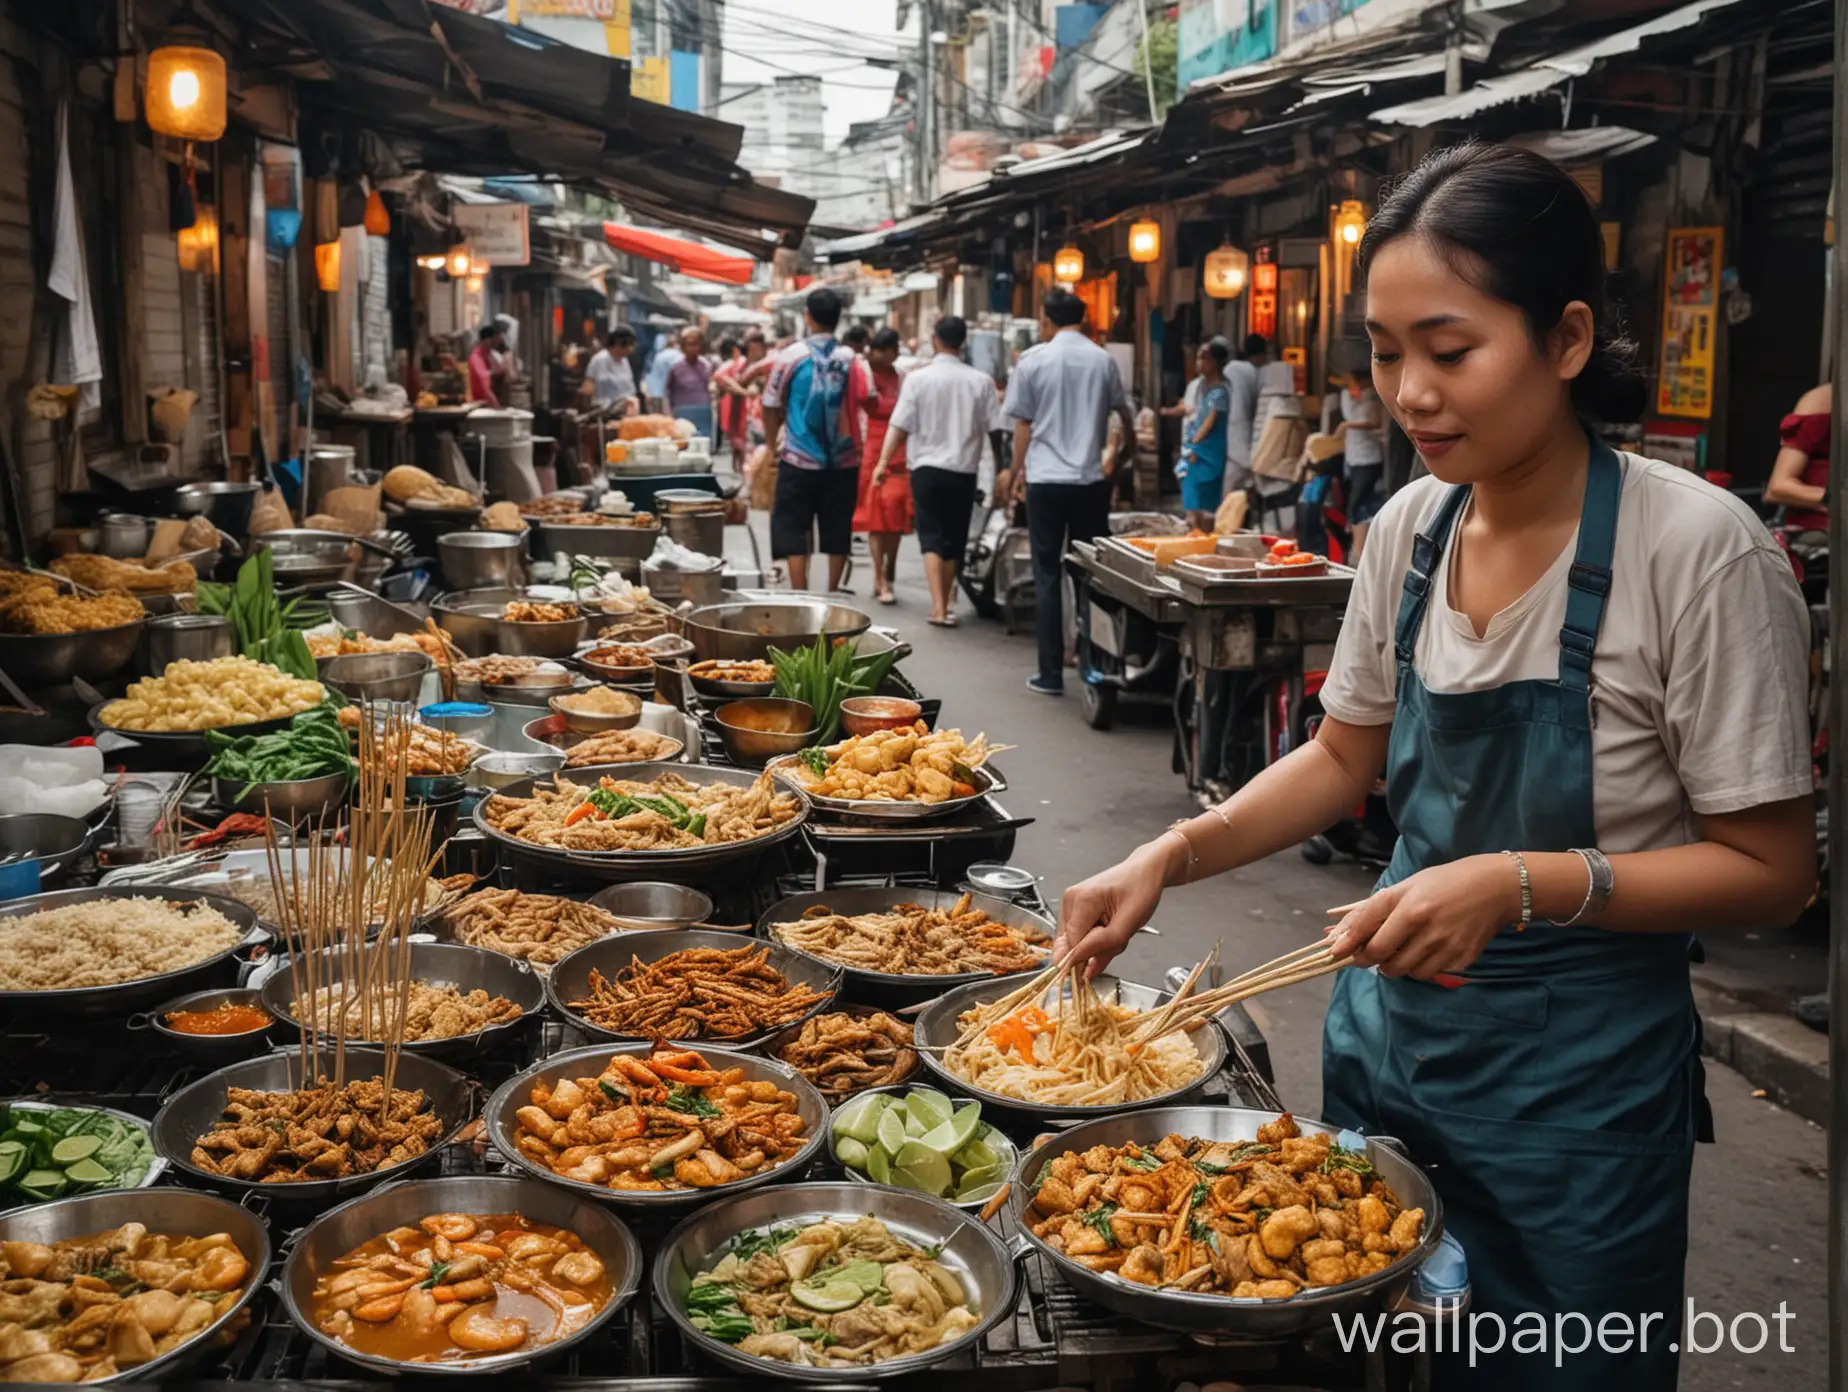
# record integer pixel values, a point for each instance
(1437, 921)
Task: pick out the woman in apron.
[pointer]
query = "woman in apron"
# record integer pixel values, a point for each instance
(1583, 676)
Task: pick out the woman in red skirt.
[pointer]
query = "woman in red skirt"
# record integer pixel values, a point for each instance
(884, 511)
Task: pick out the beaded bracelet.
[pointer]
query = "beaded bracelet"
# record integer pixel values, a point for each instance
(1527, 890)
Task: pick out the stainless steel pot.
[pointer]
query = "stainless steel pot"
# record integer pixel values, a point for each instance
(964, 1245)
(652, 904)
(937, 1024)
(53, 841)
(52, 659)
(338, 1232)
(123, 536)
(473, 618)
(671, 585)
(475, 560)
(746, 629)
(304, 556)
(292, 800)
(381, 676)
(569, 978)
(554, 535)
(188, 638)
(890, 988)
(500, 1122)
(1219, 1314)
(178, 1212)
(227, 506)
(367, 613)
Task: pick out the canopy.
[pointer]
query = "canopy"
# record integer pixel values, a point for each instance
(689, 258)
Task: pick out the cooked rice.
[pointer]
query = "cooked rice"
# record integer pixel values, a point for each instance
(108, 941)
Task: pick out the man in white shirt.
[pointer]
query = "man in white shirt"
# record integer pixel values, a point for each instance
(1060, 399)
(1363, 440)
(611, 379)
(946, 411)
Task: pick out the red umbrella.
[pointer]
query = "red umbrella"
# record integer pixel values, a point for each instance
(689, 258)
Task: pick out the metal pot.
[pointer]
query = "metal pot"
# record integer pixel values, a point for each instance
(554, 535)
(474, 560)
(753, 747)
(499, 1121)
(289, 800)
(189, 638)
(52, 659)
(965, 1246)
(1219, 1314)
(305, 556)
(654, 904)
(179, 1212)
(671, 585)
(329, 467)
(123, 536)
(744, 629)
(53, 841)
(214, 1049)
(338, 1232)
(473, 619)
(367, 613)
(381, 676)
(227, 506)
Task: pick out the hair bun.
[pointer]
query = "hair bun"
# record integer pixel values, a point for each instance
(1610, 389)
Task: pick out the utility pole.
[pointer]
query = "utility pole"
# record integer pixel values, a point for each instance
(927, 103)
(1148, 59)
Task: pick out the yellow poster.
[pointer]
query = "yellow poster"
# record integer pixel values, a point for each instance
(650, 80)
(1690, 321)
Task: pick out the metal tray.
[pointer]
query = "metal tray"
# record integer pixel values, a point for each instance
(179, 741)
(1113, 553)
(1330, 590)
(988, 780)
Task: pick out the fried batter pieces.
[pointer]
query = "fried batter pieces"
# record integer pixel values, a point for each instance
(697, 993)
(841, 1053)
(320, 1132)
(910, 940)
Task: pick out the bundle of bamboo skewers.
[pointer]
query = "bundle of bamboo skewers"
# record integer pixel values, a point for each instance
(1186, 1010)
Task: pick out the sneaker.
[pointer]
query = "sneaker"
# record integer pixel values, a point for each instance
(1046, 687)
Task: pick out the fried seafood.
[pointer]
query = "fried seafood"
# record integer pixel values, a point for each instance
(666, 813)
(34, 604)
(107, 573)
(622, 747)
(842, 1054)
(320, 1132)
(498, 669)
(910, 940)
(430, 1012)
(96, 1306)
(352, 644)
(431, 753)
(538, 928)
(530, 611)
(837, 1294)
(910, 764)
(713, 669)
(1263, 1219)
(668, 1122)
(697, 993)
(461, 1286)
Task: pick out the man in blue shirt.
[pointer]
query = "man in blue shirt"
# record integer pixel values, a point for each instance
(1060, 400)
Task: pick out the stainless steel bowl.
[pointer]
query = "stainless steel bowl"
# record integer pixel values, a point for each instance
(654, 904)
(439, 964)
(893, 989)
(52, 659)
(339, 1231)
(193, 1110)
(381, 676)
(215, 1049)
(1220, 1314)
(371, 614)
(937, 1025)
(993, 1136)
(474, 560)
(569, 979)
(473, 618)
(746, 629)
(553, 535)
(729, 690)
(988, 780)
(179, 1212)
(53, 841)
(306, 556)
(500, 1122)
(291, 800)
(583, 722)
(964, 1244)
(753, 747)
(227, 506)
(188, 638)
(501, 770)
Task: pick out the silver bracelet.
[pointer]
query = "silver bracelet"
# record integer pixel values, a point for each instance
(1600, 884)
(1527, 890)
(1193, 856)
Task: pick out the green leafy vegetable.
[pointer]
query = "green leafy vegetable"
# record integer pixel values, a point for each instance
(1340, 1158)
(681, 1098)
(614, 1093)
(814, 759)
(438, 1271)
(754, 1240)
(824, 674)
(712, 1308)
(1099, 1218)
(314, 745)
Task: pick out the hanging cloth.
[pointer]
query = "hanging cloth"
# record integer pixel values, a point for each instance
(79, 359)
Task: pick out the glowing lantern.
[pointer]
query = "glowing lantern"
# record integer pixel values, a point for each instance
(378, 221)
(186, 92)
(1145, 241)
(430, 263)
(327, 265)
(1068, 264)
(459, 262)
(474, 283)
(1350, 222)
(198, 244)
(1226, 272)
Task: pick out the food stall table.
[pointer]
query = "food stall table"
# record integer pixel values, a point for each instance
(1128, 634)
(384, 435)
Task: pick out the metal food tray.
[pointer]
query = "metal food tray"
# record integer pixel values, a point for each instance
(1330, 589)
(1113, 553)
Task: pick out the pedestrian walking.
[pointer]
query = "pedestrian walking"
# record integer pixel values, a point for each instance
(689, 382)
(948, 411)
(486, 372)
(1363, 443)
(884, 511)
(1202, 465)
(813, 399)
(1060, 398)
(1242, 381)
(1583, 675)
(740, 383)
(611, 379)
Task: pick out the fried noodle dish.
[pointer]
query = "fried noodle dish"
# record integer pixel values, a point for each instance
(622, 747)
(537, 928)
(430, 1012)
(665, 1123)
(33, 604)
(697, 993)
(842, 1053)
(909, 764)
(667, 813)
(834, 1294)
(910, 940)
(320, 1132)
(1263, 1219)
(92, 1307)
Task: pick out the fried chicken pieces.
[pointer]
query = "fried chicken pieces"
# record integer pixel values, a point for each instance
(1262, 1219)
(320, 1132)
(697, 993)
(842, 1054)
(911, 940)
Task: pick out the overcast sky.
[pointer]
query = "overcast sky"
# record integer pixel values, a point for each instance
(765, 39)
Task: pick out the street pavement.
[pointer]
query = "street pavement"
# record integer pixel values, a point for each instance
(1759, 1200)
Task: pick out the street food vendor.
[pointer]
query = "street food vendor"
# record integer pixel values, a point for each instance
(1582, 674)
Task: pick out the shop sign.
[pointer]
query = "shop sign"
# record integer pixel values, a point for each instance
(1690, 319)
(603, 10)
(496, 232)
(652, 80)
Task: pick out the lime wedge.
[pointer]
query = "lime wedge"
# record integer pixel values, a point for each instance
(914, 1126)
(879, 1166)
(955, 1133)
(919, 1167)
(830, 1296)
(928, 1106)
(975, 1179)
(978, 1193)
(850, 1152)
(891, 1130)
(978, 1154)
(860, 1117)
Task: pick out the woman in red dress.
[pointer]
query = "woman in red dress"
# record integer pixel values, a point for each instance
(884, 511)
(1800, 477)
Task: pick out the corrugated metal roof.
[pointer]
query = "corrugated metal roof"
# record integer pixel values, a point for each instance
(1585, 146)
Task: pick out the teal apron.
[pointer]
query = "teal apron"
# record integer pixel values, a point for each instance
(1558, 1094)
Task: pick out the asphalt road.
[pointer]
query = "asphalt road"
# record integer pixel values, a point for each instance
(1759, 1204)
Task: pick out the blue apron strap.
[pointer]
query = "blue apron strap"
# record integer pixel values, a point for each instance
(1427, 551)
(1589, 581)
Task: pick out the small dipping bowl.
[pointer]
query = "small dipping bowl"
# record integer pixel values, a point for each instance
(861, 715)
(760, 728)
(650, 904)
(997, 878)
(502, 770)
(585, 722)
(468, 719)
(209, 1048)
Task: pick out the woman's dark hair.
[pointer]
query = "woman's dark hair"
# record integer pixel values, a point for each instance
(1219, 350)
(885, 340)
(856, 337)
(1256, 346)
(1515, 226)
(727, 346)
(1064, 308)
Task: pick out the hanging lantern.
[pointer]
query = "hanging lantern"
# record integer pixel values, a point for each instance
(1145, 241)
(378, 221)
(458, 263)
(1350, 222)
(431, 263)
(1226, 272)
(186, 92)
(327, 265)
(474, 283)
(198, 244)
(1068, 264)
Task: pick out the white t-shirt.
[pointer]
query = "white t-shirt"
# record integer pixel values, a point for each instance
(947, 409)
(1700, 679)
(1364, 445)
(611, 376)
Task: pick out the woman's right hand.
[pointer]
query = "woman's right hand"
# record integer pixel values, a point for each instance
(1098, 916)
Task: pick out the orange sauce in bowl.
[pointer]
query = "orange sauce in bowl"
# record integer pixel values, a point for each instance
(230, 1017)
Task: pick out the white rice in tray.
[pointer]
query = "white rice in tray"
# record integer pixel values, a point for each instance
(108, 941)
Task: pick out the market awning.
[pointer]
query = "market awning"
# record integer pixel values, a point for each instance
(689, 258)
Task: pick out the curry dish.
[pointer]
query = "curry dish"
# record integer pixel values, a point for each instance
(460, 1286)
(92, 1307)
(1264, 1219)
